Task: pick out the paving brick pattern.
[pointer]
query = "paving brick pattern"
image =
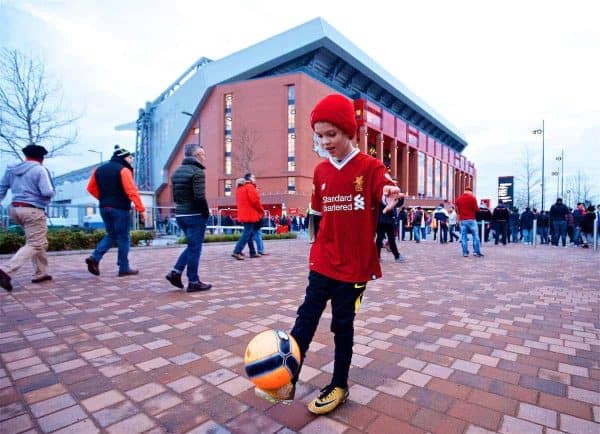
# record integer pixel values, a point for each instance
(444, 344)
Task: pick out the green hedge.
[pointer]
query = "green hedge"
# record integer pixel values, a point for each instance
(66, 239)
(235, 237)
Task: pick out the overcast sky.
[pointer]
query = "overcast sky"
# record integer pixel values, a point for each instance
(493, 69)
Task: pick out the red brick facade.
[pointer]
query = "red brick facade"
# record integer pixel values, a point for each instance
(259, 108)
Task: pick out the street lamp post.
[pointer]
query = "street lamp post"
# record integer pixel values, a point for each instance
(557, 173)
(541, 131)
(97, 152)
(192, 116)
(561, 158)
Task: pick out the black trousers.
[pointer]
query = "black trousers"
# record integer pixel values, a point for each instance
(500, 229)
(345, 300)
(385, 229)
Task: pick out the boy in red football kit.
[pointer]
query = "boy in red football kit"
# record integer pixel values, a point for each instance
(347, 190)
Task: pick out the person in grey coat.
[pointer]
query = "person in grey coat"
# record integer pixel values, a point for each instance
(32, 188)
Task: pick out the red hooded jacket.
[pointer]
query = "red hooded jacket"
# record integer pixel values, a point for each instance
(249, 207)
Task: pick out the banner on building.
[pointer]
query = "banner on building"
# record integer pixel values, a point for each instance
(506, 190)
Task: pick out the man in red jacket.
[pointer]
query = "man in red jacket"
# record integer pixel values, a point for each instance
(466, 205)
(250, 212)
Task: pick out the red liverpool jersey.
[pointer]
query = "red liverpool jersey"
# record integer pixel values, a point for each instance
(347, 194)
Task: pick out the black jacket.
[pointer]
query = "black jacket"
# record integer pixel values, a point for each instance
(527, 220)
(543, 221)
(110, 187)
(189, 184)
(500, 214)
(513, 220)
(558, 212)
(587, 224)
(483, 214)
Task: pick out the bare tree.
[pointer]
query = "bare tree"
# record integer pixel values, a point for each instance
(580, 188)
(245, 150)
(31, 109)
(529, 177)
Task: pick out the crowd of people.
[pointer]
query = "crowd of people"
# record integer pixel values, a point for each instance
(560, 225)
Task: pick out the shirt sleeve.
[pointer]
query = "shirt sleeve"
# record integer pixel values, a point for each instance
(45, 183)
(92, 186)
(131, 190)
(315, 198)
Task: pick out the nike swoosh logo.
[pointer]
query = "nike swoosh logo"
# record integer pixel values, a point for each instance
(323, 404)
(358, 286)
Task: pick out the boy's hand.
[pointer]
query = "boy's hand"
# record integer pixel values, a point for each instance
(392, 195)
(392, 192)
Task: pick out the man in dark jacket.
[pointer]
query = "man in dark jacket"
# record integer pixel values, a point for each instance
(578, 214)
(484, 217)
(403, 221)
(113, 185)
(441, 217)
(191, 211)
(526, 223)
(558, 216)
(513, 225)
(542, 227)
(500, 218)
(386, 227)
(32, 189)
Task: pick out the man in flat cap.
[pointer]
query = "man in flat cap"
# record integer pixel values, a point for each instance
(32, 189)
(113, 185)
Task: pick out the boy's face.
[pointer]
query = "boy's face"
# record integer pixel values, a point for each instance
(333, 140)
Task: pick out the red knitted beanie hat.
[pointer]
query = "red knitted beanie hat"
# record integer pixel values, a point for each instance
(337, 110)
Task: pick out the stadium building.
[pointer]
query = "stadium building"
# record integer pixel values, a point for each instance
(251, 110)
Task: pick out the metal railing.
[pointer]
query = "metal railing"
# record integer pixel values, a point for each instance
(159, 219)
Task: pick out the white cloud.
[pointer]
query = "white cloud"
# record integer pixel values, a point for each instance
(494, 70)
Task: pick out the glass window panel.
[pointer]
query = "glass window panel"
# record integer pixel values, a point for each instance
(421, 174)
(291, 184)
(429, 176)
(444, 194)
(438, 179)
(451, 183)
(291, 116)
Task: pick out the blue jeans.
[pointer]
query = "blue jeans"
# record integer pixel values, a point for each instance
(257, 237)
(526, 235)
(194, 227)
(117, 223)
(577, 235)
(560, 230)
(247, 235)
(467, 226)
(514, 233)
(543, 231)
(417, 233)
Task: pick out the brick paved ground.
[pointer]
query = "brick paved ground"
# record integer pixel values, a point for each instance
(444, 344)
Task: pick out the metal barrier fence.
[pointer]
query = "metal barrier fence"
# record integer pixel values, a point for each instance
(160, 219)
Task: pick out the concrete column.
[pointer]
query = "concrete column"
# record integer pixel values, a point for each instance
(361, 140)
(379, 146)
(395, 160)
